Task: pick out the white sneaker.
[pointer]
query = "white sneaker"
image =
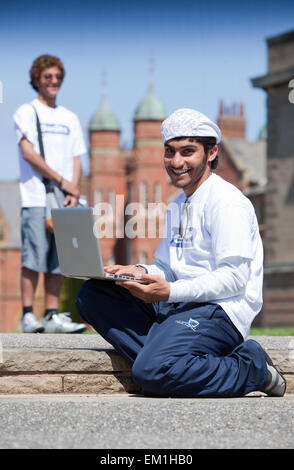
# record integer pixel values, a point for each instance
(276, 386)
(61, 323)
(30, 324)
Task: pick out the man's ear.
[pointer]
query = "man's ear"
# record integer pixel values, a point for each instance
(212, 153)
(36, 84)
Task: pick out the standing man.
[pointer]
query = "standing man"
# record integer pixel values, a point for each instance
(185, 330)
(63, 144)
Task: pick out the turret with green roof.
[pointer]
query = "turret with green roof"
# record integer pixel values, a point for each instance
(104, 119)
(150, 108)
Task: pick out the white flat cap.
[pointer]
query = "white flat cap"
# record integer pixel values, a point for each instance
(187, 122)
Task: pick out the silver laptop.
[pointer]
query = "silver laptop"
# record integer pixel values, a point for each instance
(78, 249)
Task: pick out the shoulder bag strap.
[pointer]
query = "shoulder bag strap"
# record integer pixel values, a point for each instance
(46, 181)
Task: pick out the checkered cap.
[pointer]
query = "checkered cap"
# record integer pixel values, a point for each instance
(189, 123)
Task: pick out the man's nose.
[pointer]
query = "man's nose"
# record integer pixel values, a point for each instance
(177, 160)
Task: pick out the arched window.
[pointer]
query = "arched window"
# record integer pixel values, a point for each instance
(157, 192)
(97, 196)
(143, 257)
(111, 198)
(144, 194)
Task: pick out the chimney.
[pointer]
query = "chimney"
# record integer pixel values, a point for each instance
(232, 121)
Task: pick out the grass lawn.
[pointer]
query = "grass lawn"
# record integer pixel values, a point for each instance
(283, 331)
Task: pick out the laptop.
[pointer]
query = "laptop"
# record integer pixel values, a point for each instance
(78, 249)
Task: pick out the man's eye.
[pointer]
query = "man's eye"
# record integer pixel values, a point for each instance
(187, 152)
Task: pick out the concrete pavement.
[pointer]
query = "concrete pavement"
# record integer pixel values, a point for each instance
(135, 422)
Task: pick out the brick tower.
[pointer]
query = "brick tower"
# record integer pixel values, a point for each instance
(232, 121)
(107, 182)
(147, 181)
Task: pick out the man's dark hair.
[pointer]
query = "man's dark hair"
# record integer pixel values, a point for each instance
(207, 142)
(43, 62)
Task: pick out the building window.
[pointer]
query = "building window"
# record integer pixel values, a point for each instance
(143, 257)
(258, 206)
(111, 261)
(111, 198)
(143, 194)
(157, 192)
(97, 196)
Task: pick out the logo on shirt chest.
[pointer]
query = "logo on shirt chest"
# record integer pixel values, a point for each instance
(47, 128)
(187, 241)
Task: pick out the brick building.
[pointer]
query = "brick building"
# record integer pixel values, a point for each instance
(279, 199)
(138, 176)
(118, 177)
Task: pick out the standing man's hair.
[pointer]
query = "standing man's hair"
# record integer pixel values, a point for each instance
(44, 62)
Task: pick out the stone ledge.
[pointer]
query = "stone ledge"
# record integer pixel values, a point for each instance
(88, 364)
(30, 384)
(37, 360)
(71, 383)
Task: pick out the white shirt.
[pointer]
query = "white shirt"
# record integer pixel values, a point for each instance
(219, 259)
(62, 140)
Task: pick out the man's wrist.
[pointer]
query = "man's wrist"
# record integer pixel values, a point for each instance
(141, 266)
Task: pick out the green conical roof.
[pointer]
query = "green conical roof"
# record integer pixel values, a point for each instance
(150, 108)
(104, 119)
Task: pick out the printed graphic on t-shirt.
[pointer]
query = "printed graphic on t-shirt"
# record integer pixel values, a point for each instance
(47, 128)
(187, 241)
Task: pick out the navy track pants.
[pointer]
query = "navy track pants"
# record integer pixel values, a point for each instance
(176, 350)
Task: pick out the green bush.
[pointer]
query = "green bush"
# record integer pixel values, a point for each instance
(69, 291)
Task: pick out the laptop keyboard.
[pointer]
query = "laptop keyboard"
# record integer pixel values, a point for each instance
(120, 276)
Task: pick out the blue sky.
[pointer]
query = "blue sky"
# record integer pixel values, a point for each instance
(202, 52)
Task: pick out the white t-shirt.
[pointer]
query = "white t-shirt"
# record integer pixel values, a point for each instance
(62, 139)
(220, 238)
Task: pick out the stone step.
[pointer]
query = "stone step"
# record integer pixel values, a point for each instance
(87, 364)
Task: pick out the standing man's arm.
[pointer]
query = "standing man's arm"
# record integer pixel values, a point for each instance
(39, 164)
(70, 200)
(77, 172)
(78, 149)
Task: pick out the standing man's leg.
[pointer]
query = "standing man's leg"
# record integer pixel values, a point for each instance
(28, 283)
(52, 285)
(31, 265)
(55, 322)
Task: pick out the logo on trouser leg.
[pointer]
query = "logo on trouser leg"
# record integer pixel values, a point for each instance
(190, 324)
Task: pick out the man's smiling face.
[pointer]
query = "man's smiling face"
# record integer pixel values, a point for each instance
(50, 82)
(186, 163)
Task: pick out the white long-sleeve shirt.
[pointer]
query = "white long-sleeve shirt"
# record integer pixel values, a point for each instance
(220, 260)
(228, 280)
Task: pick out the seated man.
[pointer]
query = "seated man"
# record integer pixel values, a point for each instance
(184, 331)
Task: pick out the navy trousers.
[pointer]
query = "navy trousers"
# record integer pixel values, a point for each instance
(177, 350)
